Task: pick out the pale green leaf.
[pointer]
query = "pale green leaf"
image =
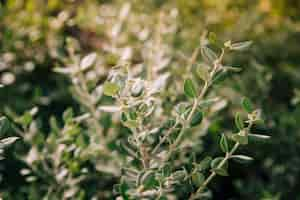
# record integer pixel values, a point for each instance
(110, 89)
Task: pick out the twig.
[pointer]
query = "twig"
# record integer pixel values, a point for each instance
(213, 173)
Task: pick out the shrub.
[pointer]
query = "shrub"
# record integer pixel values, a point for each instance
(90, 146)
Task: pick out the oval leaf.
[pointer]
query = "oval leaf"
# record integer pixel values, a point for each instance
(247, 105)
(239, 121)
(224, 144)
(240, 138)
(215, 163)
(197, 118)
(220, 170)
(87, 61)
(4, 125)
(110, 89)
(209, 55)
(197, 178)
(204, 164)
(202, 72)
(189, 88)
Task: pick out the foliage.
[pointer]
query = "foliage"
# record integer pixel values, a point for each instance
(143, 114)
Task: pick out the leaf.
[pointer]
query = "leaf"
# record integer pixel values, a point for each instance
(137, 88)
(131, 123)
(7, 141)
(202, 72)
(259, 137)
(220, 76)
(197, 118)
(72, 130)
(68, 115)
(224, 144)
(159, 83)
(247, 105)
(216, 161)
(25, 119)
(209, 55)
(87, 61)
(204, 164)
(148, 179)
(189, 88)
(198, 178)
(240, 46)
(212, 38)
(220, 170)
(179, 175)
(242, 139)
(54, 125)
(227, 44)
(242, 158)
(232, 69)
(4, 125)
(109, 109)
(123, 190)
(110, 89)
(239, 121)
(65, 70)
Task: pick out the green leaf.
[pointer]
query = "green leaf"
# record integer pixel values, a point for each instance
(224, 144)
(123, 117)
(240, 46)
(148, 179)
(54, 125)
(204, 164)
(212, 37)
(121, 189)
(189, 88)
(72, 130)
(68, 115)
(197, 118)
(240, 138)
(247, 105)
(239, 123)
(131, 123)
(25, 119)
(197, 178)
(220, 170)
(4, 125)
(220, 76)
(209, 55)
(216, 161)
(110, 89)
(242, 158)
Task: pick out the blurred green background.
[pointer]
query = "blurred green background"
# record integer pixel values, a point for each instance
(34, 39)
